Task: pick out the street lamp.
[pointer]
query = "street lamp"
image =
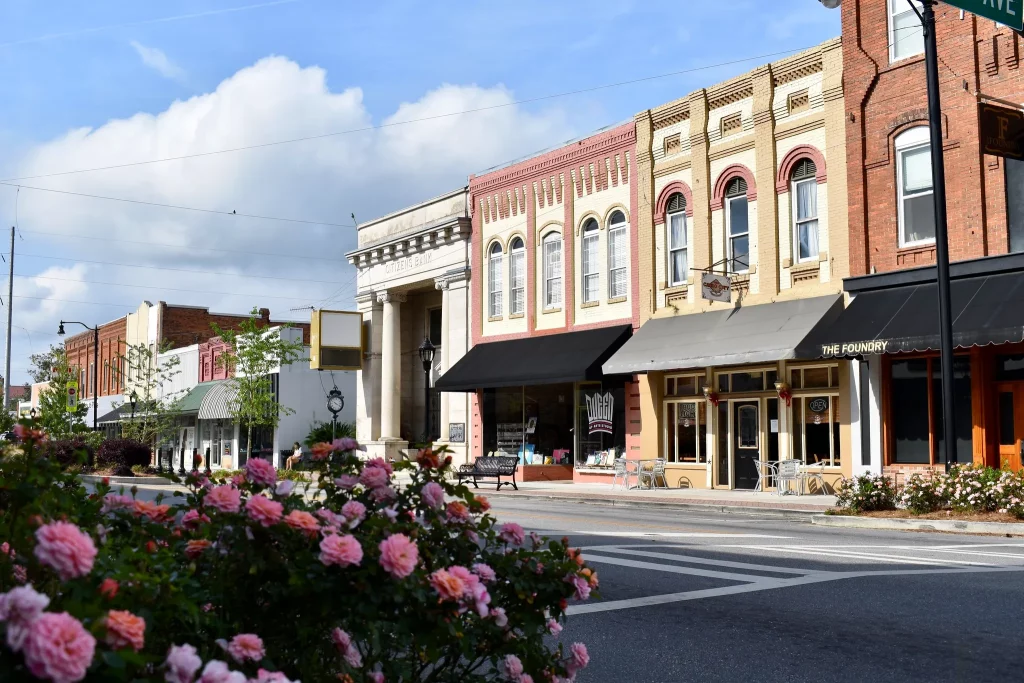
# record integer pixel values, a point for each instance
(335, 404)
(427, 350)
(95, 366)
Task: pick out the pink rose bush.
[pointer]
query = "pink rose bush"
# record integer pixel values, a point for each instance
(332, 583)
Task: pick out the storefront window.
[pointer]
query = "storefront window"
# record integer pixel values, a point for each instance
(686, 385)
(736, 382)
(217, 436)
(601, 424)
(961, 409)
(910, 411)
(722, 426)
(821, 377)
(1010, 368)
(686, 430)
(503, 420)
(816, 430)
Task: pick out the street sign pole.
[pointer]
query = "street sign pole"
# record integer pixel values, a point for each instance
(931, 60)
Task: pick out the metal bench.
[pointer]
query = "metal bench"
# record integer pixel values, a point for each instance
(491, 468)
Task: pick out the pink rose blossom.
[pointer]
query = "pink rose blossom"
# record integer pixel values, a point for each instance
(264, 676)
(471, 580)
(246, 646)
(433, 495)
(284, 488)
(124, 629)
(259, 471)
(182, 663)
(448, 586)
(330, 518)
(554, 628)
(302, 521)
(340, 550)
(380, 463)
(321, 451)
(513, 667)
(20, 607)
(193, 518)
(264, 511)
(499, 616)
(217, 671)
(354, 512)
(20, 573)
(375, 677)
(526, 678)
(398, 555)
(225, 498)
(481, 599)
(346, 482)
(511, 533)
(580, 585)
(578, 658)
(64, 547)
(58, 648)
(485, 572)
(383, 494)
(346, 444)
(343, 641)
(457, 512)
(113, 501)
(374, 478)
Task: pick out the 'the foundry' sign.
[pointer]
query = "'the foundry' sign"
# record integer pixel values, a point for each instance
(1002, 131)
(874, 346)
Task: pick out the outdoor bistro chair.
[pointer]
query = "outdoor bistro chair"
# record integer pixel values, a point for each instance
(813, 473)
(788, 471)
(766, 471)
(652, 474)
(620, 473)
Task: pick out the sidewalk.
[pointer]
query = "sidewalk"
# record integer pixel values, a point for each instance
(603, 494)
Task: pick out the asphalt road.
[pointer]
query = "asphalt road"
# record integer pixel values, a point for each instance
(695, 596)
(699, 596)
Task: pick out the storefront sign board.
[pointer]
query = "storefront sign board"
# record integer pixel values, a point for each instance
(457, 432)
(1008, 12)
(875, 346)
(1002, 131)
(716, 287)
(600, 411)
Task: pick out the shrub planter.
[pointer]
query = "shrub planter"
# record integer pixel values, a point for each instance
(127, 481)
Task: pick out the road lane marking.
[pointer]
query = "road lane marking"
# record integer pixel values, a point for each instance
(697, 560)
(680, 534)
(850, 556)
(843, 552)
(674, 569)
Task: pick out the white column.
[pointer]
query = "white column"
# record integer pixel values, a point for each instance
(368, 378)
(456, 345)
(391, 365)
(442, 284)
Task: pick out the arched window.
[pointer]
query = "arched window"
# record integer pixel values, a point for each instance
(677, 239)
(517, 277)
(914, 187)
(737, 225)
(494, 279)
(552, 271)
(804, 195)
(618, 255)
(591, 276)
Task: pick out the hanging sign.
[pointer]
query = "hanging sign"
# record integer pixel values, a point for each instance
(457, 432)
(1002, 131)
(1008, 12)
(72, 404)
(687, 413)
(599, 412)
(716, 287)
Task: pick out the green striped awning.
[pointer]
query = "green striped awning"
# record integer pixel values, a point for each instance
(193, 400)
(217, 402)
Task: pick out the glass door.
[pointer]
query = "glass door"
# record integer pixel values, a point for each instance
(746, 442)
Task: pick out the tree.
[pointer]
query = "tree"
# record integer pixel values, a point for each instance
(53, 413)
(44, 364)
(254, 353)
(156, 406)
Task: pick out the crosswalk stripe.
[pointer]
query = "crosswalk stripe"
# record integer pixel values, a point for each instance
(842, 552)
(674, 569)
(698, 560)
(831, 553)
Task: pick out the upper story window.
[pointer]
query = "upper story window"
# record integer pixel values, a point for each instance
(914, 187)
(737, 226)
(618, 255)
(804, 194)
(678, 240)
(517, 277)
(591, 276)
(906, 36)
(552, 271)
(494, 279)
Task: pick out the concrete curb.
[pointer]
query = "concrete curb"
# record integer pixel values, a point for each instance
(909, 524)
(710, 506)
(129, 481)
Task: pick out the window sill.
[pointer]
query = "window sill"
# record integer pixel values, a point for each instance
(495, 318)
(514, 316)
(617, 300)
(552, 310)
(590, 304)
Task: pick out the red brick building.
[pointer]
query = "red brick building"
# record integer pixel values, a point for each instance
(79, 350)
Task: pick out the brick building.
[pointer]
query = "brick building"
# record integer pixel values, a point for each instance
(890, 326)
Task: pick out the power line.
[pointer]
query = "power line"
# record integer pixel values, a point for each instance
(180, 246)
(435, 117)
(175, 206)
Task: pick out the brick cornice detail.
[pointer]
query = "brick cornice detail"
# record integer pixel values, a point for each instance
(668, 191)
(730, 172)
(792, 157)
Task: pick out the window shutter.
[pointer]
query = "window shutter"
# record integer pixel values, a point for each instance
(804, 169)
(676, 202)
(737, 188)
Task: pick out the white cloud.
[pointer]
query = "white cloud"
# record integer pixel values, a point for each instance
(368, 173)
(157, 60)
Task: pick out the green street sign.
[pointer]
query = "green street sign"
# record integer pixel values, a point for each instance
(1008, 12)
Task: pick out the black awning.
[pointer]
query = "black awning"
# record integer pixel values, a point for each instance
(544, 359)
(985, 309)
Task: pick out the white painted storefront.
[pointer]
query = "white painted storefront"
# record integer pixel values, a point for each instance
(413, 282)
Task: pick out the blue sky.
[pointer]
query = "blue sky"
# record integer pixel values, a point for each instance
(92, 84)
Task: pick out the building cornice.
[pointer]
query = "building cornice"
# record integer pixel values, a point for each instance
(450, 230)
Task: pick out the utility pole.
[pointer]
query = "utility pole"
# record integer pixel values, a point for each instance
(10, 320)
(931, 63)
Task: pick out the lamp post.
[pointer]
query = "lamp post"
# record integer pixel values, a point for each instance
(335, 404)
(427, 350)
(133, 399)
(95, 366)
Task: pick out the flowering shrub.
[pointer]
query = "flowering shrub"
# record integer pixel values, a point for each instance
(974, 489)
(866, 492)
(120, 455)
(242, 579)
(923, 493)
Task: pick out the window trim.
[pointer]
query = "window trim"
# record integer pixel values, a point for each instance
(729, 237)
(519, 254)
(800, 402)
(495, 285)
(910, 140)
(700, 376)
(590, 232)
(614, 229)
(549, 303)
(795, 211)
(703, 459)
(891, 31)
(672, 282)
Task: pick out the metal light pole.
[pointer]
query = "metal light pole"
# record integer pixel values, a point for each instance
(95, 366)
(427, 350)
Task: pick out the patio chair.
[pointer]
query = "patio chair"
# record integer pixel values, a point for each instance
(651, 476)
(788, 471)
(814, 473)
(766, 471)
(620, 472)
